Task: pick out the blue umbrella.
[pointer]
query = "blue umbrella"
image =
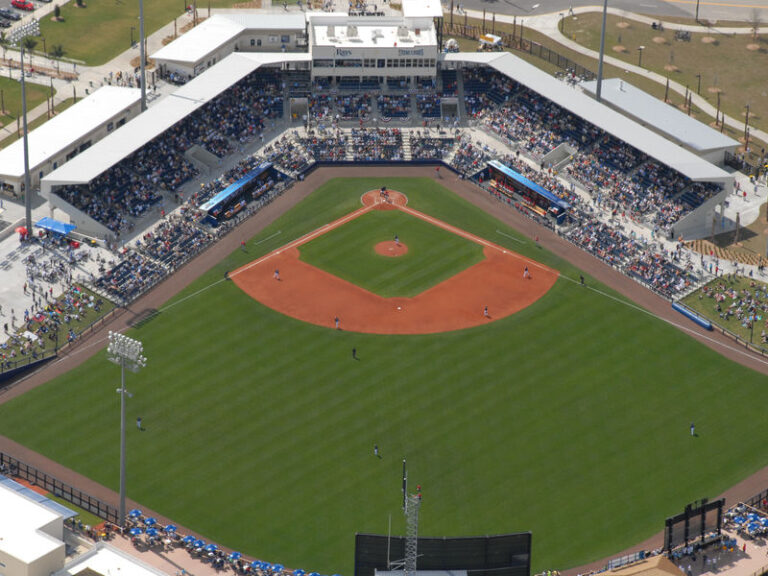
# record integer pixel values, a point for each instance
(299, 572)
(150, 521)
(256, 565)
(739, 519)
(235, 556)
(199, 543)
(314, 574)
(753, 517)
(188, 539)
(152, 532)
(135, 531)
(170, 528)
(211, 548)
(277, 568)
(135, 513)
(764, 521)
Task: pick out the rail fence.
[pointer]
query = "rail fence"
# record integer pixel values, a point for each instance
(14, 467)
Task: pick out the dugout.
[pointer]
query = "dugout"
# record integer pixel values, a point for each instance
(236, 196)
(506, 181)
(500, 555)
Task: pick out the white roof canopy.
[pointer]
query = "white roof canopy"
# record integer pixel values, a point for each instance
(666, 119)
(612, 122)
(64, 129)
(219, 29)
(157, 119)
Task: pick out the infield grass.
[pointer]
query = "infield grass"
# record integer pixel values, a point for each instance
(569, 419)
(434, 254)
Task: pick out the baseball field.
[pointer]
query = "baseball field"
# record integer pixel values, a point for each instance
(569, 418)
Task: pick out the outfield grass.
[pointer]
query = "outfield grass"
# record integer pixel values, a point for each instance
(570, 418)
(434, 255)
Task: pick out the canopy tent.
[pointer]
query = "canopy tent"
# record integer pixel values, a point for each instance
(51, 225)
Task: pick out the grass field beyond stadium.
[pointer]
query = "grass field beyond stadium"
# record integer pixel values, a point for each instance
(433, 254)
(569, 419)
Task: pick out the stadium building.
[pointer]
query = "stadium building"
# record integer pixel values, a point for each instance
(368, 72)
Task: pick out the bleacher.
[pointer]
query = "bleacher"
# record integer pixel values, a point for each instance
(392, 106)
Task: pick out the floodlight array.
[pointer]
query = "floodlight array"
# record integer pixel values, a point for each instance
(126, 351)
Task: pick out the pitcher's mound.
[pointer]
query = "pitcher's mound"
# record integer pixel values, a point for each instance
(391, 248)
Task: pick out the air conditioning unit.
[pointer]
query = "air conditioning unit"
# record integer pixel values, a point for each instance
(331, 31)
(351, 31)
(402, 32)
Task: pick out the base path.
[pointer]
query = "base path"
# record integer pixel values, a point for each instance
(499, 285)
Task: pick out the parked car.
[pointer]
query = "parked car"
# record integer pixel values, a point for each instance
(23, 5)
(9, 14)
(5, 24)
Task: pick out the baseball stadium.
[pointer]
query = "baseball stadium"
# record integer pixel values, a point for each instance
(425, 299)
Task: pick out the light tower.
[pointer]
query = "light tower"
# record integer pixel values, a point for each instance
(126, 353)
(411, 504)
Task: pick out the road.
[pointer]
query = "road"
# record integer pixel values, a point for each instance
(708, 9)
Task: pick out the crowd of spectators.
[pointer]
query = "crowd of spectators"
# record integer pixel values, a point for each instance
(377, 144)
(133, 275)
(748, 305)
(174, 241)
(428, 104)
(353, 106)
(471, 158)
(425, 147)
(330, 147)
(394, 106)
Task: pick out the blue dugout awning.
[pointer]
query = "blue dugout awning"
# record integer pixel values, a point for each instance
(234, 189)
(51, 225)
(532, 186)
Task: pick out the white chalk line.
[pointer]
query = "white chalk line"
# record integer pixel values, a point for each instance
(476, 239)
(511, 237)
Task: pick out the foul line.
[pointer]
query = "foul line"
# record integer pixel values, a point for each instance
(511, 237)
(471, 237)
(682, 327)
(268, 238)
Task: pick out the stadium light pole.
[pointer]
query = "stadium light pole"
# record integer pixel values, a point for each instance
(142, 57)
(126, 353)
(25, 148)
(599, 88)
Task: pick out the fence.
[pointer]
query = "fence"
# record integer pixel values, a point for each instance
(58, 488)
(521, 45)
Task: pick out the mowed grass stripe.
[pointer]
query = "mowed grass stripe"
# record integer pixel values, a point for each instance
(434, 255)
(569, 418)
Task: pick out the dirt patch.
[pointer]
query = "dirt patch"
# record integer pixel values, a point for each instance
(709, 40)
(659, 40)
(391, 248)
(671, 68)
(619, 48)
(501, 285)
(252, 4)
(622, 25)
(753, 47)
(714, 90)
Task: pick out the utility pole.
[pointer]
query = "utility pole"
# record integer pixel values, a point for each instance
(598, 90)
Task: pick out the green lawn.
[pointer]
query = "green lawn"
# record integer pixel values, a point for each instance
(739, 85)
(434, 255)
(706, 305)
(83, 516)
(11, 90)
(102, 30)
(569, 419)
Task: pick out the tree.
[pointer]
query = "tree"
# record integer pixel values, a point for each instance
(57, 51)
(57, 12)
(755, 20)
(29, 44)
(4, 42)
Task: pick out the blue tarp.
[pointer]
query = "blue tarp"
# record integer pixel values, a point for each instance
(55, 226)
(233, 189)
(519, 178)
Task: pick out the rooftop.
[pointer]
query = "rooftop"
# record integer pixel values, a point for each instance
(20, 526)
(651, 111)
(372, 34)
(219, 29)
(62, 130)
(422, 8)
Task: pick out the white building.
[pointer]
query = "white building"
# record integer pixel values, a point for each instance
(222, 34)
(31, 532)
(66, 135)
(105, 559)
